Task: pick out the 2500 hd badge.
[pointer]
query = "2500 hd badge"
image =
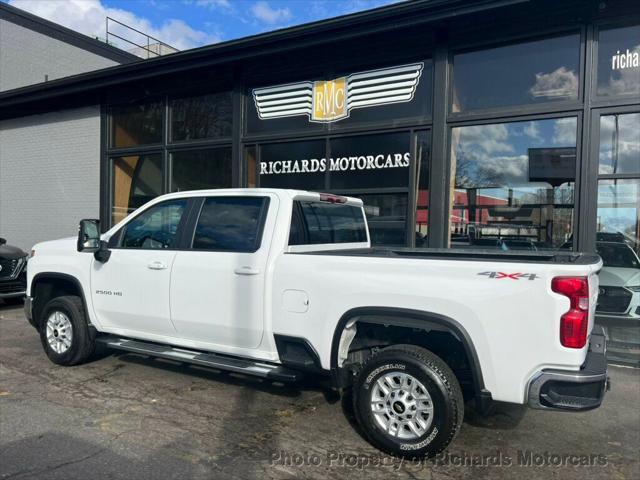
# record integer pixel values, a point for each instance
(108, 292)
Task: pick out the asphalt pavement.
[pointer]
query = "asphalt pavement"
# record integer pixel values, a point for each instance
(125, 416)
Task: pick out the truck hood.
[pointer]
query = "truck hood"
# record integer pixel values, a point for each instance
(8, 252)
(63, 244)
(619, 276)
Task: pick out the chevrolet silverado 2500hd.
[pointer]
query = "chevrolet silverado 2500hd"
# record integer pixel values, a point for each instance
(277, 283)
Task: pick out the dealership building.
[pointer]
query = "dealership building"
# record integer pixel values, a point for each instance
(503, 124)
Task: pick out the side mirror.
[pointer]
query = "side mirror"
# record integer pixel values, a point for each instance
(2, 241)
(89, 240)
(89, 236)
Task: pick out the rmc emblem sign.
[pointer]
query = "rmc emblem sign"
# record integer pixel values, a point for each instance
(332, 100)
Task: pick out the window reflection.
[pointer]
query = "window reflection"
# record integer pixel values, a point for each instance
(532, 72)
(618, 244)
(619, 212)
(513, 185)
(156, 228)
(386, 217)
(136, 180)
(619, 61)
(229, 224)
(139, 124)
(207, 116)
(423, 154)
(620, 143)
(201, 169)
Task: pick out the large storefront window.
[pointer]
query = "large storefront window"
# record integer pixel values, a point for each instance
(619, 144)
(525, 73)
(196, 118)
(136, 180)
(618, 234)
(201, 169)
(513, 185)
(619, 61)
(619, 215)
(138, 177)
(133, 125)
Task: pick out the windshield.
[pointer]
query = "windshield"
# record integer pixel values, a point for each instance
(616, 254)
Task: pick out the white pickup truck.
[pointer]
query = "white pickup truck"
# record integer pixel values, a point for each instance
(279, 283)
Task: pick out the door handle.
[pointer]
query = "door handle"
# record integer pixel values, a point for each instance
(157, 265)
(246, 271)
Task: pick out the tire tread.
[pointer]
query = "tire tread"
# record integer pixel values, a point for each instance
(442, 370)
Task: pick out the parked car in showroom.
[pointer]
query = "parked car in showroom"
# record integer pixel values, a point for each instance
(13, 274)
(618, 308)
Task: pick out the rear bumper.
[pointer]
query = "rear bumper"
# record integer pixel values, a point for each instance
(580, 390)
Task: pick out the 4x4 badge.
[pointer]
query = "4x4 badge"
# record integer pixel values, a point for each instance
(511, 276)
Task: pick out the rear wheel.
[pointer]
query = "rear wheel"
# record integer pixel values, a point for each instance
(64, 331)
(408, 401)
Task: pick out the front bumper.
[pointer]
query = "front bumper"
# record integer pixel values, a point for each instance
(13, 294)
(15, 285)
(28, 311)
(574, 390)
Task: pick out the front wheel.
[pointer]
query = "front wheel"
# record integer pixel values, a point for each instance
(408, 401)
(64, 331)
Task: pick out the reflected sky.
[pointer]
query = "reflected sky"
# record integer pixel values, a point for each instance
(523, 73)
(620, 143)
(498, 155)
(619, 208)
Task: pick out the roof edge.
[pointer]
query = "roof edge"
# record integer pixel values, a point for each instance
(384, 18)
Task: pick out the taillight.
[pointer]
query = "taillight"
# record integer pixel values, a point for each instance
(327, 197)
(573, 324)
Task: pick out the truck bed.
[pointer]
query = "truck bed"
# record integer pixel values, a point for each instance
(552, 257)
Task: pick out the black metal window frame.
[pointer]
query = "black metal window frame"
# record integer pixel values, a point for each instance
(587, 108)
(524, 109)
(166, 148)
(593, 176)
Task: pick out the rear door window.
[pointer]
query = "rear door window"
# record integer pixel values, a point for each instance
(230, 224)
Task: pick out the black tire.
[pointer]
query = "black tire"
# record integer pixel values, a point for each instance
(82, 346)
(439, 381)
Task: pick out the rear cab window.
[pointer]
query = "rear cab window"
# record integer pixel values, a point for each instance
(317, 225)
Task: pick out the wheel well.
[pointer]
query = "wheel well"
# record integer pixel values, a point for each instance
(363, 331)
(45, 288)
(371, 337)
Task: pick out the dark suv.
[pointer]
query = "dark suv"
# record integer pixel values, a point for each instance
(13, 273)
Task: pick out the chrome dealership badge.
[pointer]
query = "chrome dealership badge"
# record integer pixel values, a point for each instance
(332, 100)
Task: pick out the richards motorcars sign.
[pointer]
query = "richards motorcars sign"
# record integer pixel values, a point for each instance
(342, 164)
(332, 100)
